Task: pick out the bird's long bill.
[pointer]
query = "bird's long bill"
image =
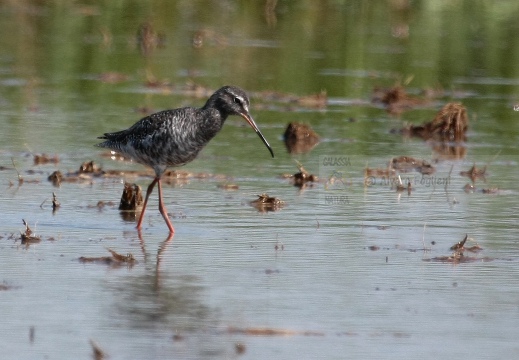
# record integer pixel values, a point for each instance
(255, 127)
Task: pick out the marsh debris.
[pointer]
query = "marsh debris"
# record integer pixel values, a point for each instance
(474, 173)
(493, 190)
(98, 353)
(396, 99)
(318, 100)
(86, 171)
(379, 172)
(401, 187)
(112, 77)
(131, 201)
(228, 187)
(449, 125)
(114, 260)
(55, 203)
(102, 204)
(302, 178)
(239, 348)
(131, 198)
(207, 35)
(390, 175)
(407, 164)
(458, 256)
(264, 331)
(42, 159)
(89, 167)
(148, 39)
(56, 178)
(409, 187)
(163, 86)
(27, 237)
(5, 286)
(178, 337)
(445, 133)
(128, 258)
(265, 203)
(470, 188)
(460, 245)
(300, 138)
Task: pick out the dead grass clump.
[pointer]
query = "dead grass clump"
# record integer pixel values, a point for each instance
(300, 138)
(449, 125)
(131, 197)
(396, 99)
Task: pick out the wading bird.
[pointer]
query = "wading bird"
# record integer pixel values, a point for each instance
(175, 137)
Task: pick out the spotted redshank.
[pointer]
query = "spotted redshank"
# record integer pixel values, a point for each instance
(175, 137)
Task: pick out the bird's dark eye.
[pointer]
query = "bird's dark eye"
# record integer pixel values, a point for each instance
(237, 100)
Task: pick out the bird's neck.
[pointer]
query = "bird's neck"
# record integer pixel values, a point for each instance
(216, 105)
(212, 123)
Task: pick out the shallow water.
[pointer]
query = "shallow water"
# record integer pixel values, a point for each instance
(349, 271)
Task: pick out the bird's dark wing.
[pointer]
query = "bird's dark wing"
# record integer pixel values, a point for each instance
(162, 124)
(141, 129)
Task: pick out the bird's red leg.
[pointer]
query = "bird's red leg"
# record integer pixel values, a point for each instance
(163, 210)
(148, 193)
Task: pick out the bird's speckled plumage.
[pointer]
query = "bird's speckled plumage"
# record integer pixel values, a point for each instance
(175, 137)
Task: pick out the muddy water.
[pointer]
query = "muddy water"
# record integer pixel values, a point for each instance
(346, 269)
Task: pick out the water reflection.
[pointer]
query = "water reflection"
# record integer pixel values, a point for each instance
(160, 252)
(178, 307)
(158, 298)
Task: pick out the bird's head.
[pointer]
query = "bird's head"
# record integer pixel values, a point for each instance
(231, 100)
